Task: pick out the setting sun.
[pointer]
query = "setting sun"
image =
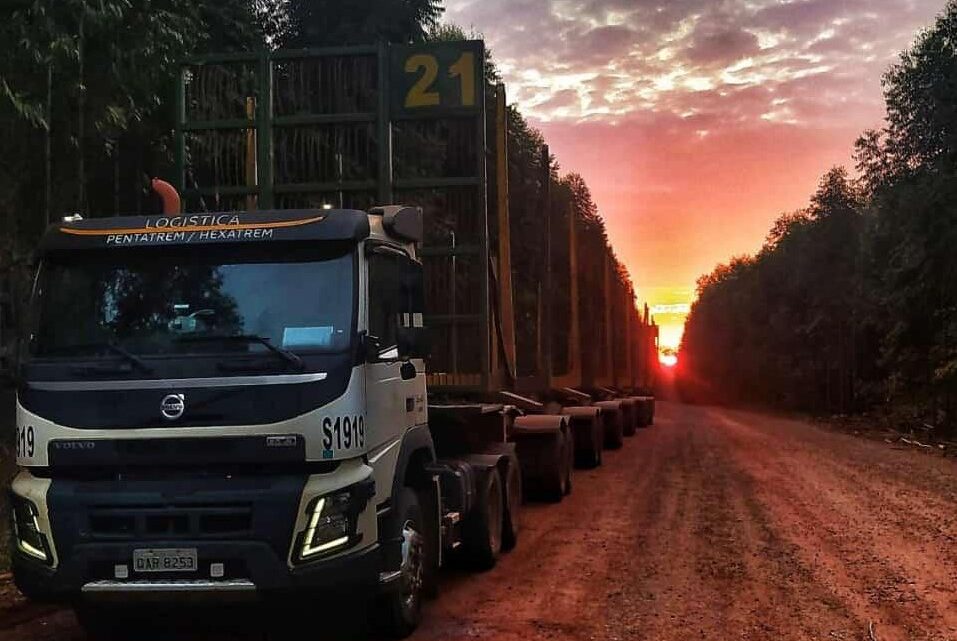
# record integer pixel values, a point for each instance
(668, 360)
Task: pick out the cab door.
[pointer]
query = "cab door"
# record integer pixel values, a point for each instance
(394, 403)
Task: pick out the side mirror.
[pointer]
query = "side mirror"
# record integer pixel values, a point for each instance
(414, 342)
(369, 348)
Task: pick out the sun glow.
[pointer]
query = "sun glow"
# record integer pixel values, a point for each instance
(668, 360)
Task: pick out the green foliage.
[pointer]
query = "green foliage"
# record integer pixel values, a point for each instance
(852, 302)
(319, 23)
(781, 326)
(92, 79)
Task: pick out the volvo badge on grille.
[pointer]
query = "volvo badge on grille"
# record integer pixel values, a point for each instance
(173, 406)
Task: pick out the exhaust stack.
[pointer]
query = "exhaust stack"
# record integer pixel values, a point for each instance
(170, 197)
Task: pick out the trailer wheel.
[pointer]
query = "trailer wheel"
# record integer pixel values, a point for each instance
(400, 610)
(482, 532)
(590, 456)
(614, 431)
(554, 467)
(631, 417)
(513, 505)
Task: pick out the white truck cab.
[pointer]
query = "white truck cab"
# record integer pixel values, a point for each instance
(227, 406)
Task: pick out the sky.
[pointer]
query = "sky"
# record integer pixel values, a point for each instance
(695, 122)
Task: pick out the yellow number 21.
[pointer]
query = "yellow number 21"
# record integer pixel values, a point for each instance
(423, 93)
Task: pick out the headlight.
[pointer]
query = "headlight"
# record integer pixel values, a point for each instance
(26, 530)
(330, 527)
(332, 521)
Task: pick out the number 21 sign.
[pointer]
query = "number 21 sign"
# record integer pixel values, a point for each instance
(438, 77)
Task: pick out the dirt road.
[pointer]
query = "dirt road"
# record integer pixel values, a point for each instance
(717, 525)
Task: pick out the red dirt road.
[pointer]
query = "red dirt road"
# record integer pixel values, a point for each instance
(714, 524)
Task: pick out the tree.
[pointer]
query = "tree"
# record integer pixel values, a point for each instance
(319, 23)
(89, 80)
(781, 327)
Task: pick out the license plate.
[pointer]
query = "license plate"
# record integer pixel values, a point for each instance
(182, 560)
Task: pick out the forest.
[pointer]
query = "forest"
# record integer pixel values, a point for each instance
(87, 116)
(851, 304)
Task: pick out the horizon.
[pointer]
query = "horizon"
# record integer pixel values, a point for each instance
(684, 100)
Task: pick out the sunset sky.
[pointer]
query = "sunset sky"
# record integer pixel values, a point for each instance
(695, 122)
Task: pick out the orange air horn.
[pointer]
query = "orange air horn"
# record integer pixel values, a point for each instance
(170, 197)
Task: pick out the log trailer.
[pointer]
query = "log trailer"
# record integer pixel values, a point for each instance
(241, 401)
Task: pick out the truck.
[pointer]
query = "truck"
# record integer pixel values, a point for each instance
(280, 385)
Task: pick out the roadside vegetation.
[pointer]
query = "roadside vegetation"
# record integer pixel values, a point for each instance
(851, 304)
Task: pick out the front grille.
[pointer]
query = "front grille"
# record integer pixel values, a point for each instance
(169, 523)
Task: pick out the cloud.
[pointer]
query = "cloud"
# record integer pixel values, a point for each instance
(721, 47)
(696, 121)
(807, 16)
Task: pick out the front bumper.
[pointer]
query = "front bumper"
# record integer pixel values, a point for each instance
(242, 527)
(253, 571)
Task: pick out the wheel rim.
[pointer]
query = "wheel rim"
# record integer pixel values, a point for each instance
(413, 552)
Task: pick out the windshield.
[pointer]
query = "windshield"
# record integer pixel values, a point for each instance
(157, 302)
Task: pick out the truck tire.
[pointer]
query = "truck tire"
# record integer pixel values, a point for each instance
(614, 430)
(589, 458)
(400, 610)
(428, 501)
(629, 417)
(553, 466)
(586, 436)
(513, 505)
(482, 531)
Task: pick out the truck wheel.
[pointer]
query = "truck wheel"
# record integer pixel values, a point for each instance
(400, 610)
(614, 432)
(631, 417)
(590, 454)
(513, 505)
(428, 501)
(554, 464)
(482, 534)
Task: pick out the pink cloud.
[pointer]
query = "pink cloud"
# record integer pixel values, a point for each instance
(696, 122)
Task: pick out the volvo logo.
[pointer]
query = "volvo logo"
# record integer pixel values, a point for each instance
(74, 445)
(173, 406)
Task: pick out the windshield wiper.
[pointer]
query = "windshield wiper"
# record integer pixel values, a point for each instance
(130, 357)
(290, 357)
